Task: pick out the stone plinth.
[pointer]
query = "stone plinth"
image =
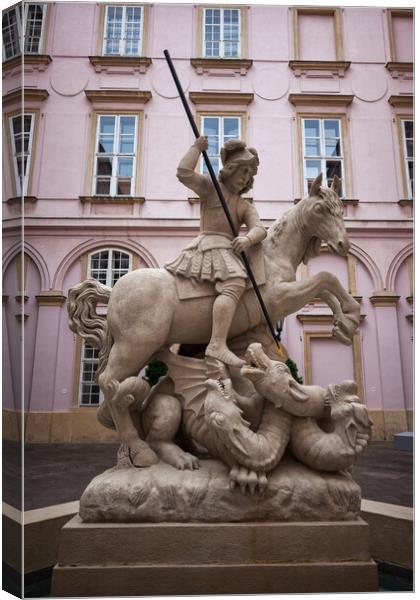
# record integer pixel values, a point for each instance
(143, 559)
(164, 494)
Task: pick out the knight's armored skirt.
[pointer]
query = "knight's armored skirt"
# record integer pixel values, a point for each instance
(216, 264)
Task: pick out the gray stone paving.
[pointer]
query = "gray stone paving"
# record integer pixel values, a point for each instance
(57, 473)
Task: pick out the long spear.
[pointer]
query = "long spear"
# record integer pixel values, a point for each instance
(220, 194)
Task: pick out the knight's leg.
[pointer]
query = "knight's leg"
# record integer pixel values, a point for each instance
(224, 308)
(161, 421)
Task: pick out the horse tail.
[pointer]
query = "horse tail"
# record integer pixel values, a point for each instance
(84, 320)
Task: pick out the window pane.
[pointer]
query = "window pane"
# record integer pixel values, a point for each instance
(231, 127)
(125, 167)
(123, 187)
(104, 166)
(311, 128)
(33, 28)
(103, 187)
(409, 147)
(312, 147)
(127, 125)
(332, 148)
(333, 168)
(331, 129)
(313, 168)
(211, 126)
(214, 163)
(107, 124)
(17, 124)
(408, 128)
(11, 40)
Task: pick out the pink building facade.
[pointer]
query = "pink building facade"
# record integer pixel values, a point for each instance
(94, 159)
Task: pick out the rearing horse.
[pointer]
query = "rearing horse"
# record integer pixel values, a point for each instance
(145, 313)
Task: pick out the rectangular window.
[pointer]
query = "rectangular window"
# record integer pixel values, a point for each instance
(408, 136)
(401, 34)
(123, 31)
(90, 393)
(222, 33)
(322, 149)
(317, 33)
(115, 155)
(219, 129)
(22, 130)
(23, 28)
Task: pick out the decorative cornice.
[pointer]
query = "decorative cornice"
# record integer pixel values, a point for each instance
(26, 199)
(318, 300)
(233, 98)
(28, 59)
(401, 101)
(142, 63)
(236, 64)
(406, 202)
(318, 318)
(345, 201)
(126, 96)
(321, 99)
(337, 67)
(384, 299)
(50, 298)
(196, 200)
(410, 318)
(29, 95)
(410, 299)
(112, 199)
(399, 67)
(21, 297)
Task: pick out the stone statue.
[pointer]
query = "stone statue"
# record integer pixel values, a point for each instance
(213, 255)
(224, 417)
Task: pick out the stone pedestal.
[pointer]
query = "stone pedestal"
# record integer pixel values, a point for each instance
(145, 559)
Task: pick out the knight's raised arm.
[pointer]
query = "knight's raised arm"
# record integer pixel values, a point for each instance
(186, 169)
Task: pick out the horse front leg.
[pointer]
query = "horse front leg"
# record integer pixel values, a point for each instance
(346, 310)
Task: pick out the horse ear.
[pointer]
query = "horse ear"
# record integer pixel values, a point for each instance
(316, 184)
(335, 186)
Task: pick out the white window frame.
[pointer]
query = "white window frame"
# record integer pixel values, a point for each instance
(109, 270)
(222, 41)
(93, 361)
(323, 158)
(221, 137)
(22, 186)
(122, 39)
(22, 37)
(407, 159)
(83, 360)
(115, 155)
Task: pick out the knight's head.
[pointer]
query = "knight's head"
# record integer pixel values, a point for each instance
(240, 164)
(324, 218)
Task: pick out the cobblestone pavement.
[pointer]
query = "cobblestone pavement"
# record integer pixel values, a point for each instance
(57, 473)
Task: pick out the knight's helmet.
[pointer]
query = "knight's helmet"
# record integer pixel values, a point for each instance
(236, 152)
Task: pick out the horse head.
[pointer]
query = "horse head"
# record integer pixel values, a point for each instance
(322, 217)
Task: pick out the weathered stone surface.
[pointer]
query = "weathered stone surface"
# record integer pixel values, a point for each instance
(162, 493)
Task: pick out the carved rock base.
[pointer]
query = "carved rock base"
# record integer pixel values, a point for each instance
(162, 493)
(145, 559)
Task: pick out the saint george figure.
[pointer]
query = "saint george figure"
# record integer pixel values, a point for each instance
(213, 255)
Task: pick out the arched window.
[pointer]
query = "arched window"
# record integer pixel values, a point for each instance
(107, 266)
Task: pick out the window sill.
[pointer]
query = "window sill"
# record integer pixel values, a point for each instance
(112, 199)
(405, 202)
(136, 63)
(126, 96)
(40, 60)
(28, 94)
(345, 201)
(236, 65)
(313, 318)
(401, 101)
(384, 299)
(26, 200)
(234, 98)
(321, 99)
(330, 67)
